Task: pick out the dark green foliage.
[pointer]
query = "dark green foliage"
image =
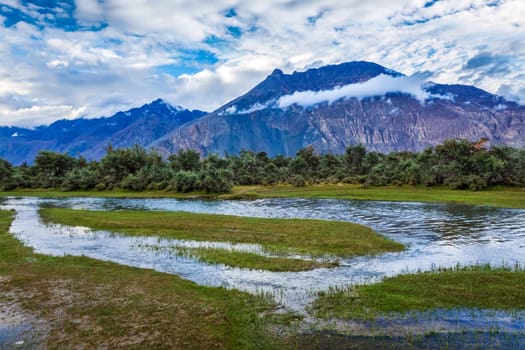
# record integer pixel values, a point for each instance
(463, 164)
(306, 163)
(186, 181)
(298, 180)
(50, 168)
(459, 164)
(156, 176)
(118, 164)
(510, 166)
(80, 179)
(354, 159)
(21, 177)
(247, 168)
(6, 173)
(187, 160)
(216, 181)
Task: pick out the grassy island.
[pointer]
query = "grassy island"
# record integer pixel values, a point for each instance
(478, 287)
(314, 238)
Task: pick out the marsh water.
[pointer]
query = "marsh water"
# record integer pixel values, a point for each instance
(436, 235)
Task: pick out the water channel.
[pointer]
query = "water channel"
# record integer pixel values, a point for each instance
(436, 235)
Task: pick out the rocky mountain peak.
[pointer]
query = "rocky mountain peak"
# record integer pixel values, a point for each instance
(393, 120)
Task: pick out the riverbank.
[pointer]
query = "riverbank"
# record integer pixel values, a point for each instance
(88, 303)
(504, 197)
(311, 238)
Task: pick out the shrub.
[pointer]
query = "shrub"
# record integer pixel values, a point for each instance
(298, 181)
(217, 181)
(186, 181)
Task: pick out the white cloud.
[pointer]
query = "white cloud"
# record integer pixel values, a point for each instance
(378, 86)
(121, 65)
(253, 108)
(58, 64)
(25, 117)
(89, 12)
(208, 90)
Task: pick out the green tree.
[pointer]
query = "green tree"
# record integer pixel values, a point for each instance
(511, 168)
(51, 168)
(354, 158)
(6, 173)
(216, 181)
(464, 164)
(311, 161)
(186, 181)
(331, 168)
(187, 160)
(119, 164)
(83, 178)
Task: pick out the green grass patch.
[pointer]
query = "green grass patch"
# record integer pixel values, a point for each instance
(48, 193)
(94, 304)
(506, 197)
(281, 236)
(251, 260)
(480, 287)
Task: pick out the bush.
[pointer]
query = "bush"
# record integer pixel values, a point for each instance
(216, 181)
(186, 181)
(79, 179)
(298, 181)
(476, 183)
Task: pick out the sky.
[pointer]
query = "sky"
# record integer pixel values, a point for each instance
(90, 58)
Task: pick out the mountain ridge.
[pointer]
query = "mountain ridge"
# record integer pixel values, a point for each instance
(90, 137)
(329, 108)
(392, 121)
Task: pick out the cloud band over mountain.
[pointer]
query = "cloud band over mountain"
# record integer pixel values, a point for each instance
(378, 86)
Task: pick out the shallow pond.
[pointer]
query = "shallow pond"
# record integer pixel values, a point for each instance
(437, 235)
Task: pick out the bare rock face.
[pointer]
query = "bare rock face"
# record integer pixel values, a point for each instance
(390, 122)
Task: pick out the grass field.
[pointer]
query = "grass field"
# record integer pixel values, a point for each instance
(479, 287)
(498, 197)
(315, 238)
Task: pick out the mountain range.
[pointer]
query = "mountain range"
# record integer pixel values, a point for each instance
(91, 137)
(329, 108)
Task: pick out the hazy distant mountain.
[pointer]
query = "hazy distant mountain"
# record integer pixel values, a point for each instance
(90, 137)
(339, 105)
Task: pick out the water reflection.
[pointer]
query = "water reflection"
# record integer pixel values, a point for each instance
(436, 235)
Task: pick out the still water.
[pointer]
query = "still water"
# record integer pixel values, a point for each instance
(436, 235)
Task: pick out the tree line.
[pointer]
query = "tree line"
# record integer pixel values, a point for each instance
(459, 164)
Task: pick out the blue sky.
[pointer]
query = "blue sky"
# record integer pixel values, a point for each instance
(72, 58)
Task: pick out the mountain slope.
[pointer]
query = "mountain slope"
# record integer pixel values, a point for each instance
(382, 118)
(90, 137)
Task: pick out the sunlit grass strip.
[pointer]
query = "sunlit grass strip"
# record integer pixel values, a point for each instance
(505, 197)
(249, 260)
(482, 287)
(282, 236)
